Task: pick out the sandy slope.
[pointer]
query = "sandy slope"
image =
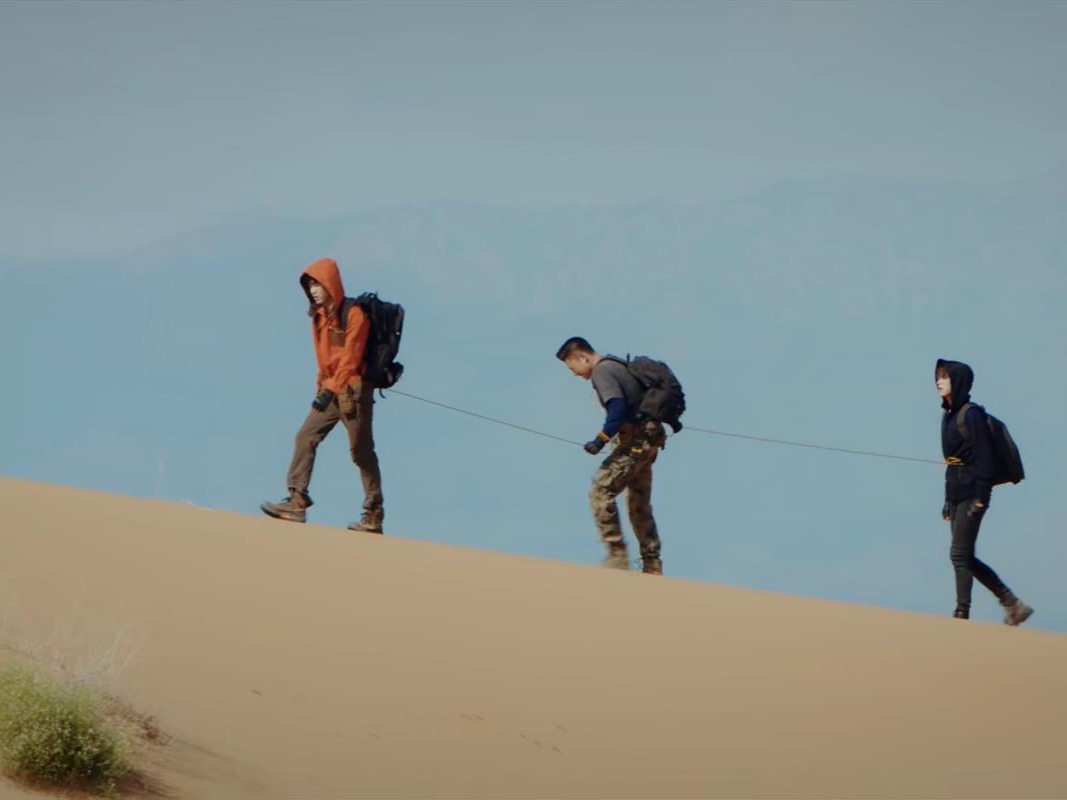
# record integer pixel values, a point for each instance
(305, 661)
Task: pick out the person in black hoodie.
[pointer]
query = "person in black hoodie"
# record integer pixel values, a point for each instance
(969, 479)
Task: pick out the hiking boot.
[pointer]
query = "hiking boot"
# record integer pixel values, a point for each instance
(1016, 612)
(368, 523)
(292, 509)
(617, 557)
(652, 565)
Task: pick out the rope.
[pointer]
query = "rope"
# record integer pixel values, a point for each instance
(871, 453)
(708, 431)
(486, 418)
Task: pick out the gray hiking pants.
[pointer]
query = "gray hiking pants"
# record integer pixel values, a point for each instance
(356, 411)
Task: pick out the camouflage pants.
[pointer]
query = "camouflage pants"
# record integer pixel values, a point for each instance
(628, 468)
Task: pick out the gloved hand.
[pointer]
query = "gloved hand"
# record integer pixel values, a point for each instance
(946, 511)
(322, 400)
(975, 509)
(594, 446)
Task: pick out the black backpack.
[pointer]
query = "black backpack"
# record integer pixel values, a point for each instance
(662, 398)
(1009, 464)
(383, 341)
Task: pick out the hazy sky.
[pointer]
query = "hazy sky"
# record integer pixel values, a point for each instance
(801, 206)
(124, 122)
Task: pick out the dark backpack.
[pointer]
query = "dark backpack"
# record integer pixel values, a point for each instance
(383, 341)
(662, 398)
(1009, 464)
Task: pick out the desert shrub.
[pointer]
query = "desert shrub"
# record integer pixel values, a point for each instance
(57, 732)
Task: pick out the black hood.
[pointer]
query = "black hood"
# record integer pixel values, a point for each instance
(962, 377)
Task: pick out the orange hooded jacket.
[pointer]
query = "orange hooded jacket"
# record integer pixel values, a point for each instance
(340, 354)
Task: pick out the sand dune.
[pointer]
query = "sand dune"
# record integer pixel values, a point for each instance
(307, 661)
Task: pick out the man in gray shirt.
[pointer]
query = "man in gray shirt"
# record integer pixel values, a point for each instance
(629, 465)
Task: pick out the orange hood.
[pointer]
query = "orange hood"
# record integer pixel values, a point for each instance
(325, 271)
(340, 355)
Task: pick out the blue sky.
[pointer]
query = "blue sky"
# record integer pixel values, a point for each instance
(801, 206)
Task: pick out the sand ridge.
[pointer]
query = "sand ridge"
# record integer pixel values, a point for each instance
(306, 661)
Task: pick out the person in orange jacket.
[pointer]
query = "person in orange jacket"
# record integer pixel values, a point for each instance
(341, 396)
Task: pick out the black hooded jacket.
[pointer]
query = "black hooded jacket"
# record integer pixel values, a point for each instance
(971, 469)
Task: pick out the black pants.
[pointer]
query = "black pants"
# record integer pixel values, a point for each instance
(967, 565)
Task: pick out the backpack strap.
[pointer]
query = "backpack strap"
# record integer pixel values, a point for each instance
(617, 360)
(961, 422)
(343, 311)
